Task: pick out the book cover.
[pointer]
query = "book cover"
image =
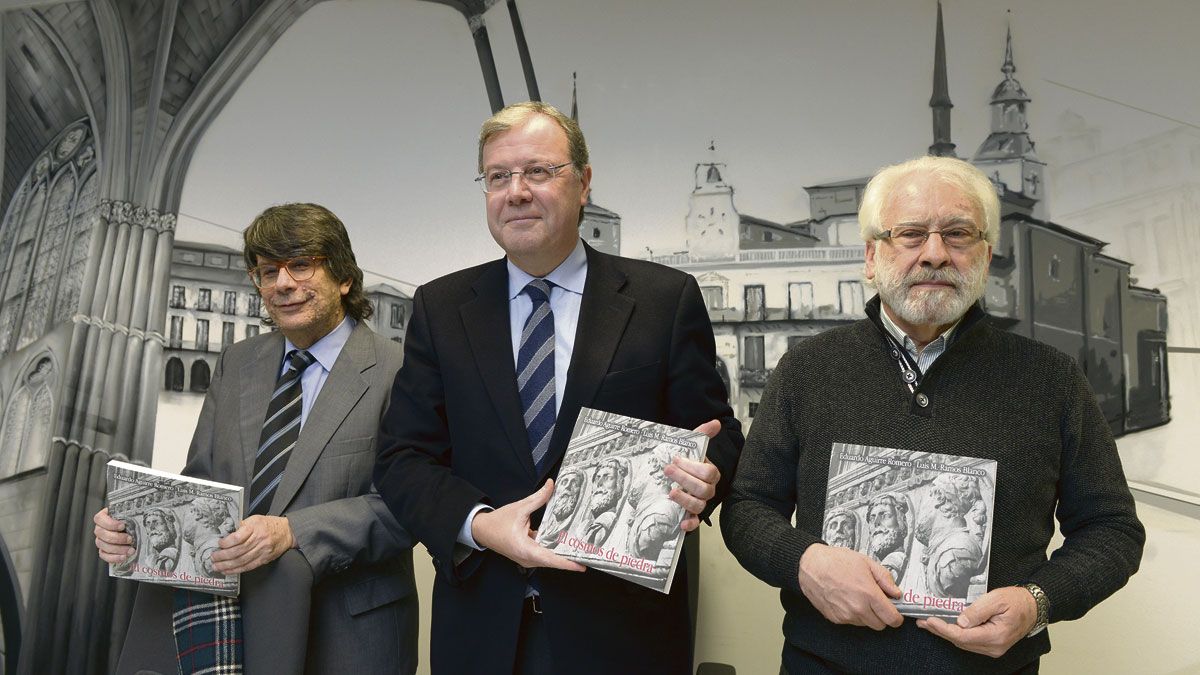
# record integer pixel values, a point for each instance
(926, 517)
(175, 522)
(611, 509)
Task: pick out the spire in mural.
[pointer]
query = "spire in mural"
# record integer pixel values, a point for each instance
(713, 175)
(940, 101)
(574, 98)
(1009, 138)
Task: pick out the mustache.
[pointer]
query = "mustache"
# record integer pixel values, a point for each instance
(926, 274)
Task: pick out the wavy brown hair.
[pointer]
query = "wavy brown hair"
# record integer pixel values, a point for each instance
(290, 230)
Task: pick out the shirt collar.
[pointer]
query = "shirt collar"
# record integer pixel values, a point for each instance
(326, 349)
(903, 338)
(570, 274)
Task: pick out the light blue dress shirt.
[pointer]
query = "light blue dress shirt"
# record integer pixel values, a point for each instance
(925, 356)
(565, 297)
(325, 351)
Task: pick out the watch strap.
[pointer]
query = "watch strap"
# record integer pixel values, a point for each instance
(1043, 608)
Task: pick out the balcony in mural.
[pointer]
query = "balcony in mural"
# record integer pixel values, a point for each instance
(824, 254)
(754, 377)
(818, 313)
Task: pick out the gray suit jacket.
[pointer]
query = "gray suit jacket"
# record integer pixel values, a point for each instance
(344, 600)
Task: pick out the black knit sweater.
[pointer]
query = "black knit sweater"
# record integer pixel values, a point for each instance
(993, 395)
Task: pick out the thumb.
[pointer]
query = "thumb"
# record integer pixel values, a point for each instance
(978, 612)
(710, 428)
(538, 499)
(884, 578)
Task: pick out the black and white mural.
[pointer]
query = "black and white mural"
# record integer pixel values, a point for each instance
(730, 140)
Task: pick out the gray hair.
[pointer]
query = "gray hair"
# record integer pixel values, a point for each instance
(978, 189)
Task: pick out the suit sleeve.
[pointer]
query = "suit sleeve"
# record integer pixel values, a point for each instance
(356, 530)
(413, 469)
(696, 393)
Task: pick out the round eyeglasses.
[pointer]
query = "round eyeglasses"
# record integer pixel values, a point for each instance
(495, 180)
(300, 268)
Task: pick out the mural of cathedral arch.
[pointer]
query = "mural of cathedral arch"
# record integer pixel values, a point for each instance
(105, 103)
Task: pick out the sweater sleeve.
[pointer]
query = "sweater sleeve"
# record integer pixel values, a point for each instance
(1103, 537)
(756, 517)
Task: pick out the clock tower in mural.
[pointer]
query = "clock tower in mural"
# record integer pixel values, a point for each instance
(712, 222)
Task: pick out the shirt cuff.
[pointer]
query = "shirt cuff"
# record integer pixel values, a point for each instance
(464, 533)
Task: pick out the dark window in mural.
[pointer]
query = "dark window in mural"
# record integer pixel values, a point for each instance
(200, 376)
(174, 375)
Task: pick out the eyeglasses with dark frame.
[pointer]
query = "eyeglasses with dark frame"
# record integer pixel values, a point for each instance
(300, 268)
(957, 237)
(494, 180)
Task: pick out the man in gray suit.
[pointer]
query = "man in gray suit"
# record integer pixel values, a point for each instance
(327, 582)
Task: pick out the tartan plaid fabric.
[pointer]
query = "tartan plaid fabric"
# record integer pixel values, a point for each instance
(208, 633)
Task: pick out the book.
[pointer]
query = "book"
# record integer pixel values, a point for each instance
(926, 517)
(175, 522)
(611, 508)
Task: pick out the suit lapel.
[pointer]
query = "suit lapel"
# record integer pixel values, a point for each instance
(340, 393)
(603, 315)
(487, 326)
(257, 385)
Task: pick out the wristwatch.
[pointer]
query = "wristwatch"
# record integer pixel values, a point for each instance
(1043, 608)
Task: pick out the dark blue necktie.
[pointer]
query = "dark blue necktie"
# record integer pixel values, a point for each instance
(535, 371)
(281, 430)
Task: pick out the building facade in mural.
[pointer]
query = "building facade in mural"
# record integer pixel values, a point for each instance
(769, 285)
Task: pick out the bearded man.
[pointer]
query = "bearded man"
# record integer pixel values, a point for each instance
(163, 536)
(887, 525)
(608, 495)
(928, 370)
(841, 529)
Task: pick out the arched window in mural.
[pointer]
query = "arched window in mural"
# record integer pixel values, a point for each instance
(200, 376)
(174, 379)
(25, 432)
(44, 239)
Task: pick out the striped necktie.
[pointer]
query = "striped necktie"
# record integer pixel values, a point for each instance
(535, 371)
(280, 431)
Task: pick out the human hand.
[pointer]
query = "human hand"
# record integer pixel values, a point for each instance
(990, 625)
(506, 531)
(848, 587)
(113, 545)
(258, 541)
(697, 481)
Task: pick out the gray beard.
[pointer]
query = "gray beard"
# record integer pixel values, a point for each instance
(883, 543)
(930, 308)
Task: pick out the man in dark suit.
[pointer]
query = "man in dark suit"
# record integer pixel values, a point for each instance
(476, 427)
(327, 582)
